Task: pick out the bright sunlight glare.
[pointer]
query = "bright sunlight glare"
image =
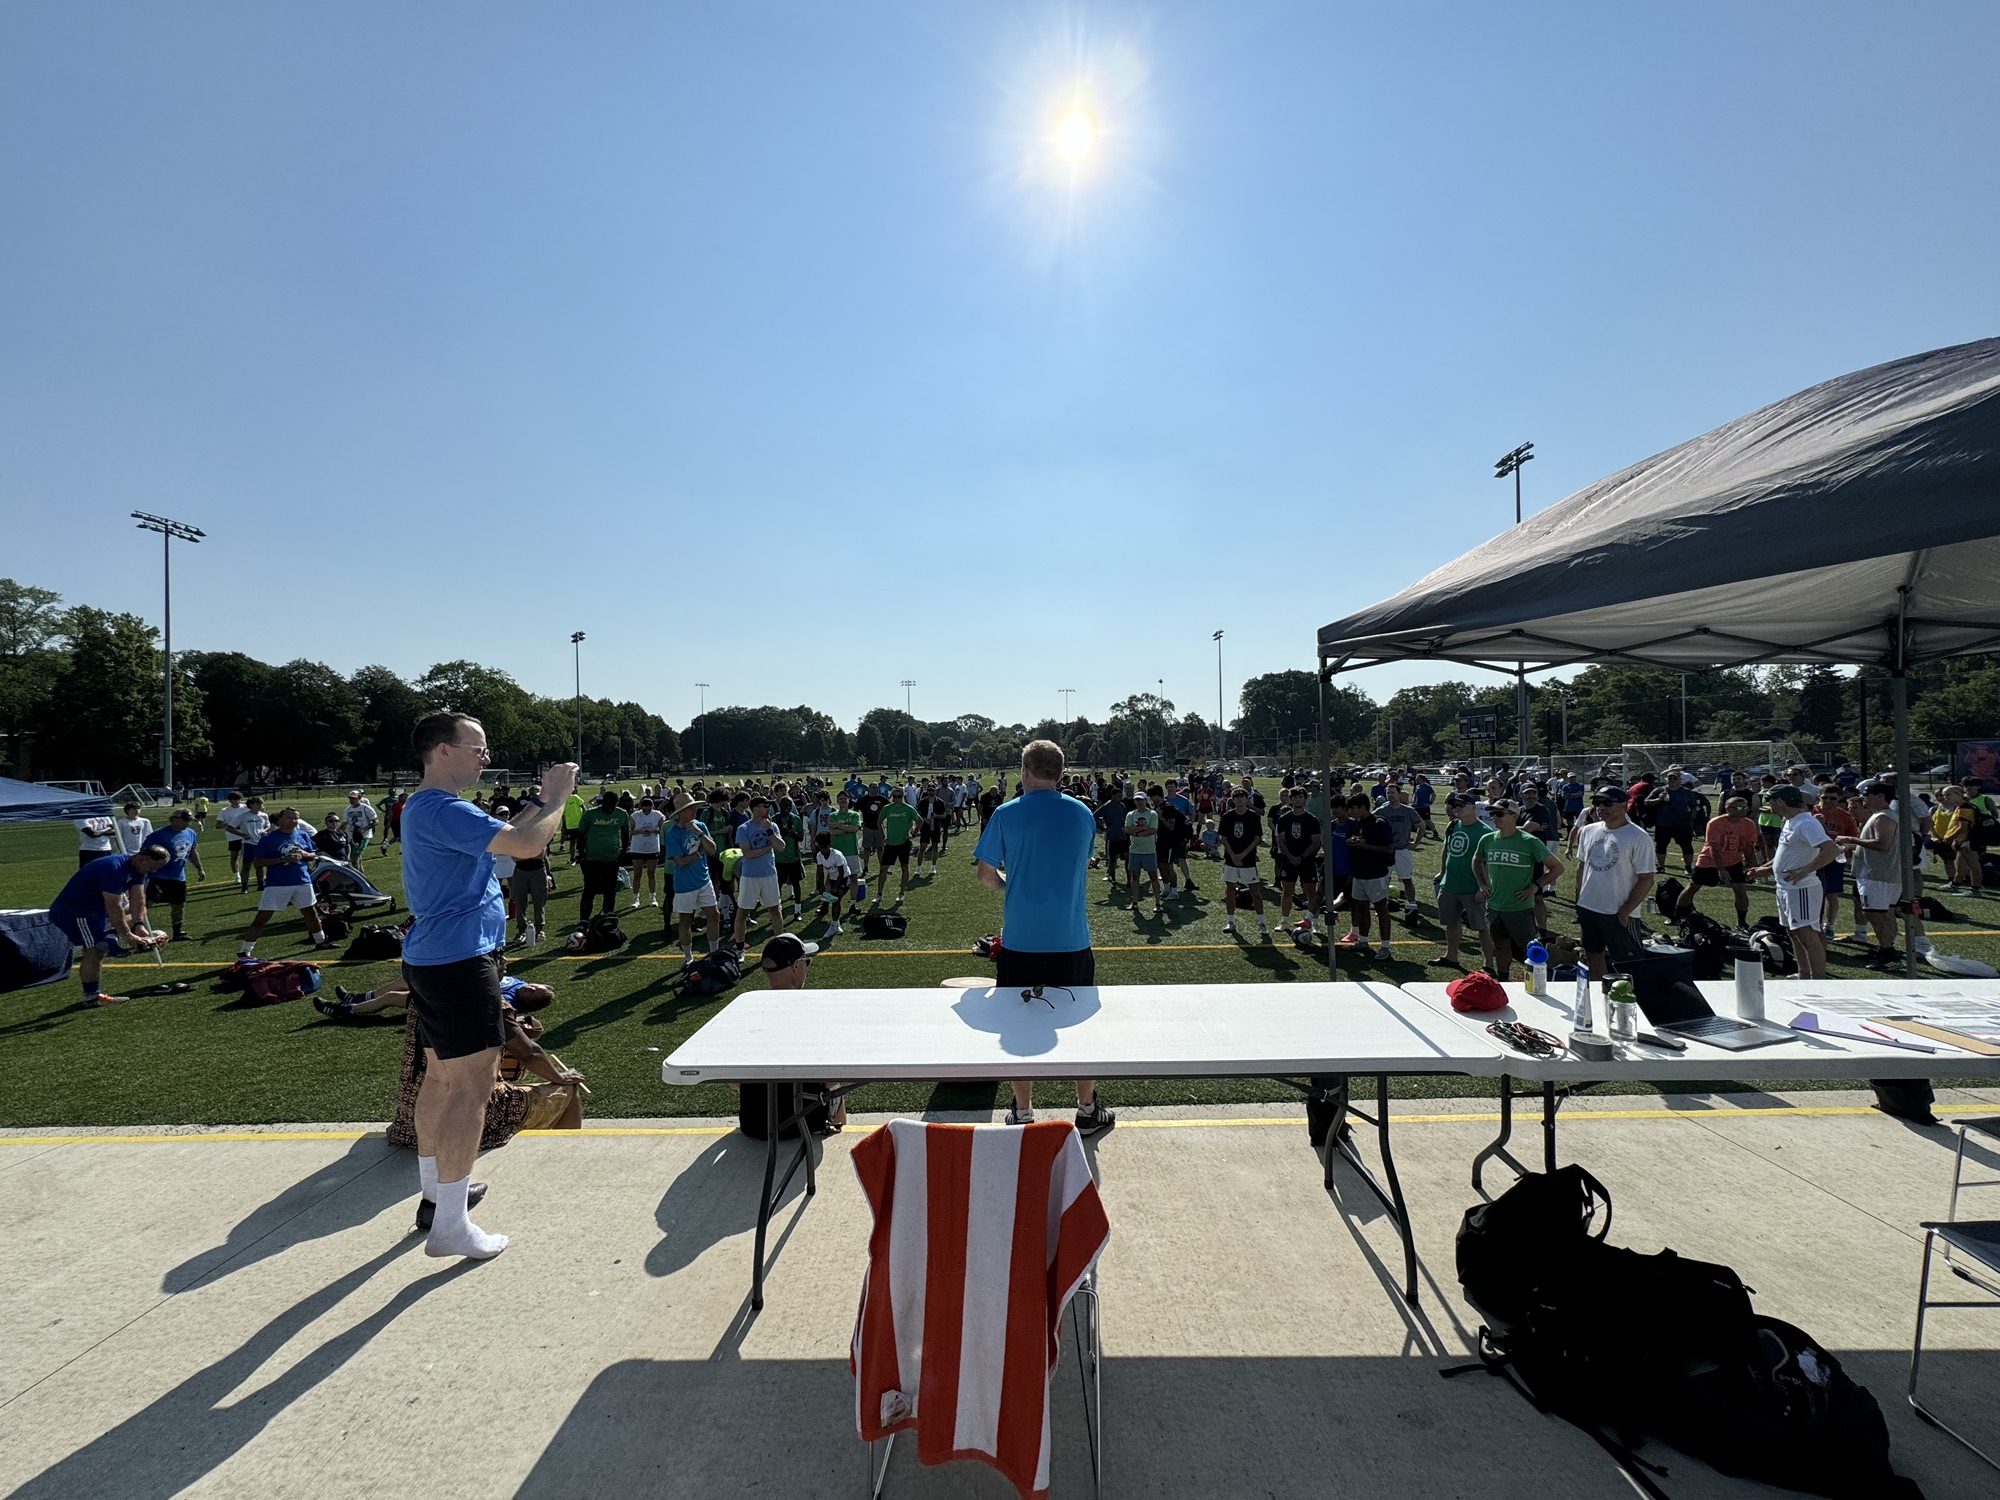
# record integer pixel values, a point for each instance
(1074, 135)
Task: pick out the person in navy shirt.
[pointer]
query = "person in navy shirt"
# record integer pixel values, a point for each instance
(284, 856)
(1035, 851)
(452, 962)
(104, 905)
(168, 887)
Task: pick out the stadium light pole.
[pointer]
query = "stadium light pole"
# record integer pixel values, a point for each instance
(576, 646)
(702, 719)
(170, 532)
(1510, 463)
(1067, 694)
(1221, 745)
(910, 724)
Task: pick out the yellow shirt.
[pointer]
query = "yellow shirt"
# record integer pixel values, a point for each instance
(1952, 826)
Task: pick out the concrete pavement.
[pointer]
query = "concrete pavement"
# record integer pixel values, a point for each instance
(244, 1313)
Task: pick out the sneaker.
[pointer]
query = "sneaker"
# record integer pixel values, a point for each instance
(1095, 1120)
(105, 1001)
(635, 904)
(334, 1010)
(1857, 936)
(427, 1210)
(1351, 940)
(832, 930)
(1445, 961)
(1383, 952)
(1019, 1117)
(1228, 926)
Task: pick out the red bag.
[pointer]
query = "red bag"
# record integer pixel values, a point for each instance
(282, 979)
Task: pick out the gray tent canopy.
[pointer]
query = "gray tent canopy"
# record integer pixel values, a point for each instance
(1857, 522)
(25, 802)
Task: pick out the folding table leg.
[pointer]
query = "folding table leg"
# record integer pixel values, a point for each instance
(1402, 1210)
(1499, 1141)
(1549, 1106)
(764, 1197)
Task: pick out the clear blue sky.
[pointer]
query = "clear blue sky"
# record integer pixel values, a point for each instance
(774, 345)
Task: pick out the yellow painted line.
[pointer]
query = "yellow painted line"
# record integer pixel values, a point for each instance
(1524, 1115)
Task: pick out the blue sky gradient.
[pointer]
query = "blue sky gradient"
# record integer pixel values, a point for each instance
(774, 346)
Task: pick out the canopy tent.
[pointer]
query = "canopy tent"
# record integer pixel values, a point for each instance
(25, 802)
(1856, 523)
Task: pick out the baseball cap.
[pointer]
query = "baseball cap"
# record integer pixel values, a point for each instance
(1460, 799)
(1785, 792)
(783, 951)
(355, 793)
(1606, 794)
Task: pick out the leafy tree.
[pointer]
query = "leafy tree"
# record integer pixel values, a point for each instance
(390, 708)
(103, 719)
(31, 619)
(868, 742)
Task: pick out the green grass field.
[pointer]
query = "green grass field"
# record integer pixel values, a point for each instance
(208, 1058)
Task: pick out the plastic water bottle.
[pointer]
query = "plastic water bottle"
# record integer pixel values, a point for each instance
(1750, 986)
(1581, 1020)
(1538, 969)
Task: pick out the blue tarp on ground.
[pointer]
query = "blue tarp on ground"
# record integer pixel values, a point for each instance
(25, 802)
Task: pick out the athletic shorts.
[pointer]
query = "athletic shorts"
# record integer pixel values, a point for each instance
(1461, 908)
(457, 1006)
(600, 877)
(1139, 864)
(279, 897)
(1295, 869)
(1801, 905)
(1406, 864)
(167, 892)
(1878, 895)
(1013, 969)
(933, 838)
(753, 891)
(1706, 875)
(1241, 875)
(895, 854)
(1602, 932)
(872, 839)
(1832, 877)
(1516, 927)
(688, 902)
(91, 930)
(1369, 890)
(792, 874)
(1115, 855)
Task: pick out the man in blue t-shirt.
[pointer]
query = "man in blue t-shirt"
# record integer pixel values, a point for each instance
(452, 962)
(1035, 851)
(688, 849)
(284, 856)
(104, 905)
(757, 876)
(168, 887)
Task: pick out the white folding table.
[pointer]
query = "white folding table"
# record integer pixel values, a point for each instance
(1290, 1032)
(1806, 1057)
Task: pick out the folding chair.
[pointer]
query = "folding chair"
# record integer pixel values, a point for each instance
(1971, 1252)
(984, 1236)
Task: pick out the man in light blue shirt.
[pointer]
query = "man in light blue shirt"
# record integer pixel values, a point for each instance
(1035, 851)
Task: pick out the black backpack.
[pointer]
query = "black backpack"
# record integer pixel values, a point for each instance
(1709, 941)
(1623, 1344)
(602, 934)
(1774, 945)
(336, 926)
(712, 974)
(884, 924)
(375, 945)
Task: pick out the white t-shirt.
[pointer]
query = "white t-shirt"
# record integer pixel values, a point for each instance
(360, 817)
(132, 833)
(1798, 844)
(646, 831)
(231, 819)
(98, 834)
(834, 863)
(1612, 860)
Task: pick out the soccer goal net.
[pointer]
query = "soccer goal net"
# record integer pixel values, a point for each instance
(501, 776)
(1707, 757)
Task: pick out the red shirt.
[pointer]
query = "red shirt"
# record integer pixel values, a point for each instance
(1727, 842)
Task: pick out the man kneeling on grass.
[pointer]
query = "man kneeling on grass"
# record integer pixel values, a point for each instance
(103, 907)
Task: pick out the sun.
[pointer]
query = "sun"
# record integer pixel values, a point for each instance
(1075, 135)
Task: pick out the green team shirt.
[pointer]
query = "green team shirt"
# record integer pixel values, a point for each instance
(794, 830)
(898, 818)
(1143, 829)
(1461, 842)
(604, 832)
(1510, 869)
(847, 843)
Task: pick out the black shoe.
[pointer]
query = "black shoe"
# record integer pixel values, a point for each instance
(179, 937)
(427, 1210)
(1095, 1120)
(344, 993)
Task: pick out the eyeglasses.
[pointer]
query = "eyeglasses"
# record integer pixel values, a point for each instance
(484, 753)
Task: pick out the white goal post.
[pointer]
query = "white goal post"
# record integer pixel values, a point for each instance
(1701, 756)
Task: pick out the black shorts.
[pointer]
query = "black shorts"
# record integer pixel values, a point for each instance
(793, 875)
(1301, 868)
(167, 892)
(1014, 969)
(1516, 927)
(1725, 875)
(457, 1005)
(600, 877)
(895, 854)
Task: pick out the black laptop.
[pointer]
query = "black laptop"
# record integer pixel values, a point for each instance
(1676, 1007)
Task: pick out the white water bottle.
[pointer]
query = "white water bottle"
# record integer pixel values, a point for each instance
(1750, 988)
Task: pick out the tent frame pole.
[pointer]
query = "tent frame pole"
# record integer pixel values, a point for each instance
(1908, 824)
(1325, 675)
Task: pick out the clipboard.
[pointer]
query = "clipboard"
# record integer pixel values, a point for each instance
(1946, 1035)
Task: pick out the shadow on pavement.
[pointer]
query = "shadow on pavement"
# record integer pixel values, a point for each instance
(1362, 1426)
(362, 1183)
(715, 1196)
(190, 1431)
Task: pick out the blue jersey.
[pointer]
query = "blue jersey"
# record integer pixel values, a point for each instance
(275, 845)
(1043, 841)
(448, 879)
(83, 896)
(178, 844)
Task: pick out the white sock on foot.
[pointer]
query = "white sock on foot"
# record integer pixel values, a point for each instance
(427, 1178)
(452, 1233)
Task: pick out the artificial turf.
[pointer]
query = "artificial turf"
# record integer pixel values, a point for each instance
(210, 1058)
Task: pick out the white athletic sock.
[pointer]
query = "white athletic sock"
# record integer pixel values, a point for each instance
(452, 1233)
(427, 1177)
(246, 950)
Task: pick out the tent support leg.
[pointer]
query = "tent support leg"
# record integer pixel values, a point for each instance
(1906, 790)
(1326, 792)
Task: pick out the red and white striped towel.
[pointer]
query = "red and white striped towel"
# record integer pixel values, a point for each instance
(982, 1235)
